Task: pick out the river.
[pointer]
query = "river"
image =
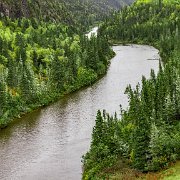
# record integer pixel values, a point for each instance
(48, 144)
(93, 32)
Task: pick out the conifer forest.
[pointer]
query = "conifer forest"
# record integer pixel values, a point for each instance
(148, 132)
(40, 61)
(45, 54)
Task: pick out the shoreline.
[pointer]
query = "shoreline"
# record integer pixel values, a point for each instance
(32, 108)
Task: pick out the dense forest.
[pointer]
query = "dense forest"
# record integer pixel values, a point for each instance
(44, 52)
(71, 12)
(147, 136)
(40, 61)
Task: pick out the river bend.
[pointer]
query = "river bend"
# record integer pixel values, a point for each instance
(48, 143)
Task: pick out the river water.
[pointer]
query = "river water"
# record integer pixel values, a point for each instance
(48, 143)
(93, 32)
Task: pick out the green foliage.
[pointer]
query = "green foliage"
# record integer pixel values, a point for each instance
(148, 131)
(71, 12)
(41, 61)
(164, 146)
(85, 76)
(103, 152)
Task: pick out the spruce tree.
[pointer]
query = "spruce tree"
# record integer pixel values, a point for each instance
(98, 130)
(57, 73)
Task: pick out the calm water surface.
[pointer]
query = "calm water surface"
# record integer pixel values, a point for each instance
(48, 143)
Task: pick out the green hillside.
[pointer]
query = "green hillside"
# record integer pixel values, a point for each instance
(147, 137)
(72, 12)
(44, 54)
(41, 61)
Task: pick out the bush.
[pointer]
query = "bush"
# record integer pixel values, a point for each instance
(164, 148)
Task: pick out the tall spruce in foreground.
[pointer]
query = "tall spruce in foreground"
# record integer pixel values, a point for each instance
(149, 130)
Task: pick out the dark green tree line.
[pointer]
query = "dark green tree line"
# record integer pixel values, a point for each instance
(148, 131)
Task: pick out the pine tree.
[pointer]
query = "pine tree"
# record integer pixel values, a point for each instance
(98, 130)
(57, 73)
(26, 83)
(12, 78)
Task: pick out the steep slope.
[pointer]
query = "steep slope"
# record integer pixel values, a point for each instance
(147, 137)
(40, 61)
(85, 12)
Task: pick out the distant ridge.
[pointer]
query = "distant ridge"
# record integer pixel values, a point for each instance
(68, 11)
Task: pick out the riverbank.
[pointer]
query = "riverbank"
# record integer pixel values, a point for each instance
(113, 167)
(147, 134)
(50, 69)
(56, 96)
(49, 101)
(49, 143)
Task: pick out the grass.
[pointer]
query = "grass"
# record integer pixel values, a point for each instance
(173, 173)
(121, 171)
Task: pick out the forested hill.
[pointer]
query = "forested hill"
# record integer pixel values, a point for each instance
(42, 56)
(84, 12)
(147, 137)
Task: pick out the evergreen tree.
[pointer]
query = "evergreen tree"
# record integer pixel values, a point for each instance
(12, 78)
(98, 130)
(57, 73)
